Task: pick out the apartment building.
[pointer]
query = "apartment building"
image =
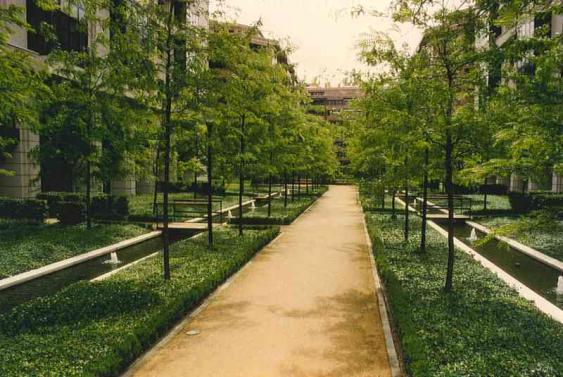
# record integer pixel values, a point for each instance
(331, 103)
(553, 24)
(26, 179)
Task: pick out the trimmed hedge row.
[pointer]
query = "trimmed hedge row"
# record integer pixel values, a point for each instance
(523, 203)
(279, 215)
(28, 209)
(482, 328)
(98, 329)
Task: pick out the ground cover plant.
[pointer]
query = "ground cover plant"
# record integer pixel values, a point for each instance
(280, 215)
(25, 246)
(539, 231)
(97, 329)
(481, 328)
(141, 206)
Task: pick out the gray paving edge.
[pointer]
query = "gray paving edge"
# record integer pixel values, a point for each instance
(394, 364)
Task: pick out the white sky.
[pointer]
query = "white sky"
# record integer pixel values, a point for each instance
(323, 32)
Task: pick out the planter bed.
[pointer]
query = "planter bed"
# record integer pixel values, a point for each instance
(483, 328)
(280, 215)
(26, 246)
(98, 329)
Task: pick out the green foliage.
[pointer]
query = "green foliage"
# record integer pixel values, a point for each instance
(280, 215)
(27, 246)
(71, 213)
(54, 198)
(30, 209)
(483, 328)
(110, 207)
(99, 328)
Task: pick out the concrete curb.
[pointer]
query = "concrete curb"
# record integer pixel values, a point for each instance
(66, 263)
(541, 303)
(394, 364)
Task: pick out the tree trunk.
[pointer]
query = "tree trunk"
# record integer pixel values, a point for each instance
(293, 185)
(299, 186)
(88, 194)
(241, 175)
(424, 202)
(450, 192)
(394, 215)
(285, 189)
(167, 148)
(156, 172)
(270, 195)
(406, 230)
(209, 185)
(195, 167)
(485, 196)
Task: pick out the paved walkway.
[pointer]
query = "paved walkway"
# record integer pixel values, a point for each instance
(305, 306)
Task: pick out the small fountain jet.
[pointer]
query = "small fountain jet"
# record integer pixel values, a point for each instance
(252, 206)
(229, 214)
(559, 289)
(473, 237)
(113, 259)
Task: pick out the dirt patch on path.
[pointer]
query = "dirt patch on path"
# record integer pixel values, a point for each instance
(305, 307)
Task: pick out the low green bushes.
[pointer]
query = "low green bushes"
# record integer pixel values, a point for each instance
(97, 329)
(110, 207)
(23, 209)
(482, 328)
(70, 213)
(27, 246)
(526, 202)
(54, 198)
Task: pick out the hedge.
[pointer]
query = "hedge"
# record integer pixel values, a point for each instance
(110, 207)
(98, 329)
(279, 215)
(54, 198)
(24, 209)
(482, 328)
(70, 213)
(526, 202)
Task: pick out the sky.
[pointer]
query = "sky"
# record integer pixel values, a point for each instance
(324, 33)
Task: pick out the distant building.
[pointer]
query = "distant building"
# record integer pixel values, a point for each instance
(331, 103)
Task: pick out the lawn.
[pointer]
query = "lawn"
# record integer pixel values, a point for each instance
(483, 328)
(97, 329)
(26, 246)
(546, 238)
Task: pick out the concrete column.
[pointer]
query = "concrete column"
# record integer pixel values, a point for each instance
(557, 183)
(516, 183)
(125, 187)
(502, 181)
(491, 180)
(26, 181)
(145, 186)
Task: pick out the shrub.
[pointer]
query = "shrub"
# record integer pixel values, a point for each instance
(54, 198)
(29, 209)
(523, 203)
(110, 207)
(493, 189)
(70, 213)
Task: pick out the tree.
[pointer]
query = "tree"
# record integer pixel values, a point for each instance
(21, 85)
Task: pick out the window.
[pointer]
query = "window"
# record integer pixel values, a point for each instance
(68, 32)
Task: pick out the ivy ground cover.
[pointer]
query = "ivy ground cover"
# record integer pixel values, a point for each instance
(97, 329)
(483, 328)
(26, 246)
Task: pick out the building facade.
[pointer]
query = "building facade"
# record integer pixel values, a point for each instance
(25, 180)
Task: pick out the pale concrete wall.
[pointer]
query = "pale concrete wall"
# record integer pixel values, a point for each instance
(516, 183)
(502, 180)
(18, 38)
(557, 183)
(145, 186)
(126, 187)
(25, 182)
